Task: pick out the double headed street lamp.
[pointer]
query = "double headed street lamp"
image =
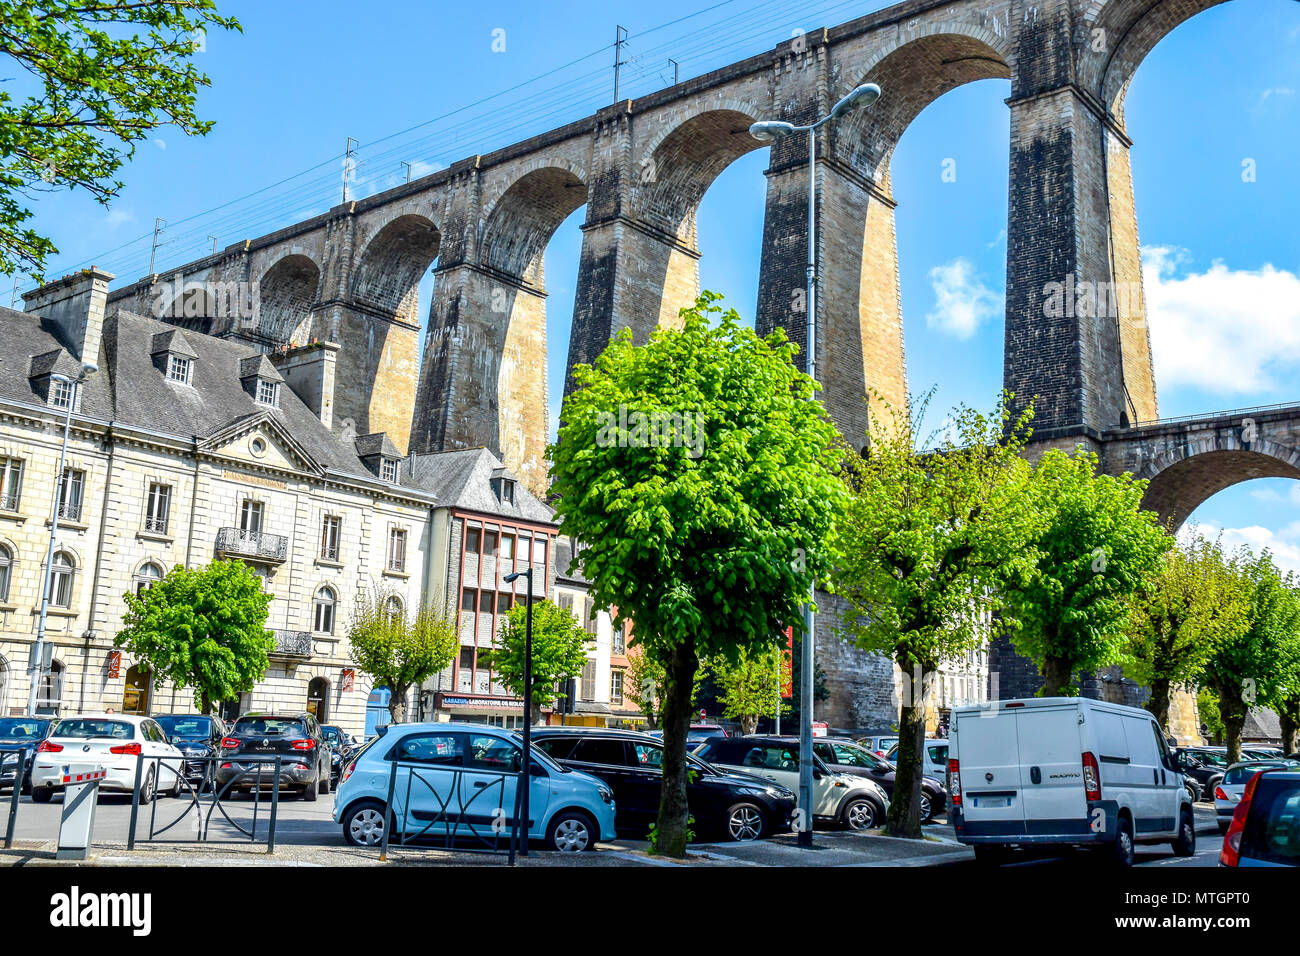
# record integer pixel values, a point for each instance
(765, 132)
(526, 778)
(36, 669)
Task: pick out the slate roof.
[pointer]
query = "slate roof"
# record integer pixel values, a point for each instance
(462, 479)
(130, 389)
(173, 340)
(260, 366)
(376, 443)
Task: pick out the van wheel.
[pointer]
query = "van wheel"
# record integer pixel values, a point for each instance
(1123, 851)
(1185, 845)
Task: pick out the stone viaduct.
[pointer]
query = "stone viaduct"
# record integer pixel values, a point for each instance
(641, 168)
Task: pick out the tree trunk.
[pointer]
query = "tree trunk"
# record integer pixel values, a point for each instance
(536, 713)
(1158, 705)
(397, 702)
(205, 707)
(1232, 711)
(905, 806)
(675, 713)
(1056, 675)
(1289, 716)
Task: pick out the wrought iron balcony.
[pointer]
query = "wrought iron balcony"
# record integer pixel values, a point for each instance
(155, 525)
(8, 502)
(69, 510)
(253, 545)
(295, 644)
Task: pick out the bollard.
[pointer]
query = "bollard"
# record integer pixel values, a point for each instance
(77, 822)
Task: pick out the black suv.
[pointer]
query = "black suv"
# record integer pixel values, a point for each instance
(735, 806)
(25, 734)
(1203, 766)
(197, 737)
(297, 738)
(340, 745)
(842, 755)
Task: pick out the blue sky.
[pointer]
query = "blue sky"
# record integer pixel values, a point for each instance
(1222, 254)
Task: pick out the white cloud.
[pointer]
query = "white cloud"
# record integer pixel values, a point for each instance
(1230, 331)
(117, 217)
(1275, 91)
(962, 302)
(1284, 544)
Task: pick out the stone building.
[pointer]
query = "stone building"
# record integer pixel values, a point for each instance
(185, 448)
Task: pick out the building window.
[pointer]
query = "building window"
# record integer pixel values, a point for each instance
(70, 494)
(397, 549)
(472, 541)
(50, 691)
(539, 550)
(507, 547)
(61, 580)
(268, 393)
(147, 576)
(503, 603)
(60, 393)
(467, 601)
(489, 544)
(618, 645)
(388, 469)
(324, 617)
(178, 369)
(616, 687)
(394, 608)
(589, 622)
(6, 571)
(588, 690)
(329, 537)
(11, 483)
(158, 508)
(250, 517)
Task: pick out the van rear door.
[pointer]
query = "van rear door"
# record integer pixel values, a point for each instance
(988, 749)
(1051, 769)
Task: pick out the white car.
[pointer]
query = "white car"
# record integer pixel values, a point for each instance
(1064, 771)
(1228, 791)
(110, 742)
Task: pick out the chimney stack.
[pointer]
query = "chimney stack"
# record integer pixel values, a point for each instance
(75, 306)
(309, 371)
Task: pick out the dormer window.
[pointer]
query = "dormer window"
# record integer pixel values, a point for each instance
(268, 393)
(60, 393)
(504, 488)
(179, 368)
(388, 470)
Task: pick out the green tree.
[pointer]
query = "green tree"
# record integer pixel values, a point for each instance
(559, 650)
(1207, 705)
(749, 686)
(1096, 548)
(203, 628)
(698, 469)
(1179, 616)
(927, 537)
(645, 681)
(1260, 665)
(99, 88)
(400, 650)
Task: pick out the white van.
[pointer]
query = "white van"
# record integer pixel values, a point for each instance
(1064, 770)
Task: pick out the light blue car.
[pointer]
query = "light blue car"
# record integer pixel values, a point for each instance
(463, 777)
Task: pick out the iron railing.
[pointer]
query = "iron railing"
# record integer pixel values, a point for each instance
(18, 759)
(8, 502)
(455, 817)
(155, 525)
(70, 510)
(253, 544)
(292, 643)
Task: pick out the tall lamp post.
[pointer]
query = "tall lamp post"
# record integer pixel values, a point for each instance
(527, 783)
(37, 668)
(765, 132)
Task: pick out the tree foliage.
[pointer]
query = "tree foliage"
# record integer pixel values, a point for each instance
(928, 537)
(202, 628)
(1259, 666)
(559, 650)
(1096, 548)
(749, 687)
(399, 649)
(1179, 615)
(708, 527)
(102, 75)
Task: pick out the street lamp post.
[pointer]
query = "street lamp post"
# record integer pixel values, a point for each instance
(37, 670)
(527, 783)
(863, 95)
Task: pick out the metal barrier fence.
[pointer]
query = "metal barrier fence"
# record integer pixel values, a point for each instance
(252, 772)
(18, 759)
(455, 822)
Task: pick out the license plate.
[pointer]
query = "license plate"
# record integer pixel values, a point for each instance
(992, 802)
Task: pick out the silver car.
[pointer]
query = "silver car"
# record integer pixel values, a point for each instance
(1228, 791)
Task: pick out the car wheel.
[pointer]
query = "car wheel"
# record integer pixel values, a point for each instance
(42, 794)
(311, 791)
(571, 832)
(1185, 845)
(147, 789)
(1193, 790)
(859, 814)
(1122, 851)
(744, 822)
(364, 824)
(325, 783)
(926, 810)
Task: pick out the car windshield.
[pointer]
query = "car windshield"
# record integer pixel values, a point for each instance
(88, 727)
(1209, 758)
(22, 728)
(703, 733)
(269, 726)
(180, 726)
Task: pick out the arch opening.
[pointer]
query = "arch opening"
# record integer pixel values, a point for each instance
(387, 277)
(287, 293)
